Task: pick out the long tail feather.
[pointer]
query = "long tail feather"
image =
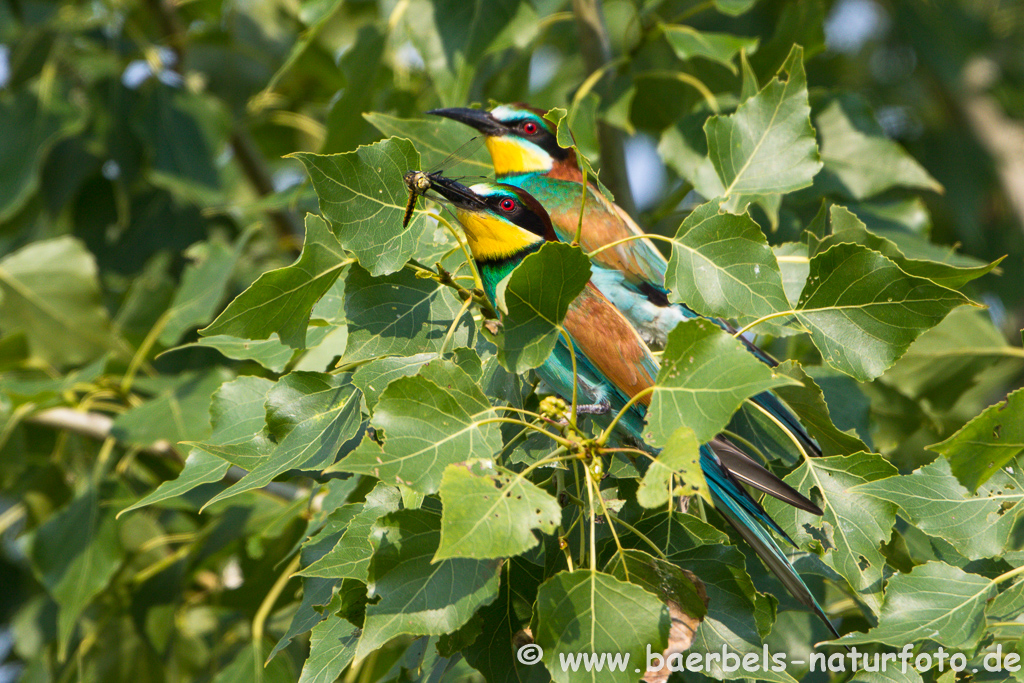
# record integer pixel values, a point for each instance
(748, 471)
(746, 516)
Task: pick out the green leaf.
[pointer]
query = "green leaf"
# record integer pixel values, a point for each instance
(425, 424)
(705, 376)
(952, 616)
(321, 413)
(535, 298)
(863, 312)
(270, 352)
(247, 666)
(794, 265)
(567, 140)
(238, 414)
(401, 315)
(951, 359)
(435, 138)
(179, 413)
(847, 227)
(501, 623)
(767, 147)
(361, 63)
(854, 525)
(684, 147)
(732, 603)
(350, 557)
(722, 48)
(281, 300)
(722, 266)
(860, 161)
(680, 458)
(734, 8)
(682, 591)
(808, 403)
(491, 512)
(363, 195)
(202, 286)
(977, 526)
(374, 377)
(75, 553)
(39, 126)
(332, 645)
(573, 614)
(987, 443)
(418, 597)
(49, 290)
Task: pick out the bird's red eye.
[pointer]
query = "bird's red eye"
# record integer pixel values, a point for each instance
(507, 205)
(529, 127)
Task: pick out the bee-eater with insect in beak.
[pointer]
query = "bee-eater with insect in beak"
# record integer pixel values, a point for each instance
(631, 275)
(503, 225)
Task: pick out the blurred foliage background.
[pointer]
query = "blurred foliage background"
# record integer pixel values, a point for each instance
(143, 183)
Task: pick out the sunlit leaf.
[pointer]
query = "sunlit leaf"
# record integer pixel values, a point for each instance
(350, 557)
(705, 375)
(425, 424)
(953, 614)
(978, 525)
(490, 512)
(281, 301)
(854, 525)
(722, 266)
(679, 461)
(863, 312)
(363, 195)
(767, 147)
(401, 315)
(573, 609)
(987, 443)
(535, 298)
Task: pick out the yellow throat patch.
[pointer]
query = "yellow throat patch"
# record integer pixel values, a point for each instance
(491, 238)
(511, 155)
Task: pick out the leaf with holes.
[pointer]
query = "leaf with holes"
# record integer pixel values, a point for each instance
(491, 512)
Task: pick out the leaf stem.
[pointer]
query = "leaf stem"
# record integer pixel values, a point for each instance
(140, 354)
(583, 206)
(601, 440)
(462, 245)
(778, 314)
(1013, 573)
(633, 530)
(575, 376)
(630, 239)
(267, 605)
(508, 420)
(455, 324)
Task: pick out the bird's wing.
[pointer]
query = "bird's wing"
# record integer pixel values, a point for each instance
(610, 343)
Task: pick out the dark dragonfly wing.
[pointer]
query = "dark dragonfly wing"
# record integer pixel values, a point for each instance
(418, 182)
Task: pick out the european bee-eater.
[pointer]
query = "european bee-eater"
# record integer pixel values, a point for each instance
(631, 275)
(504, 224)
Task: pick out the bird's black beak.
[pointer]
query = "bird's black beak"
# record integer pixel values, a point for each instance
(460, 196)
(477, 118)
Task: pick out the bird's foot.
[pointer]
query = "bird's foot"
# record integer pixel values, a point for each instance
(601, 408)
